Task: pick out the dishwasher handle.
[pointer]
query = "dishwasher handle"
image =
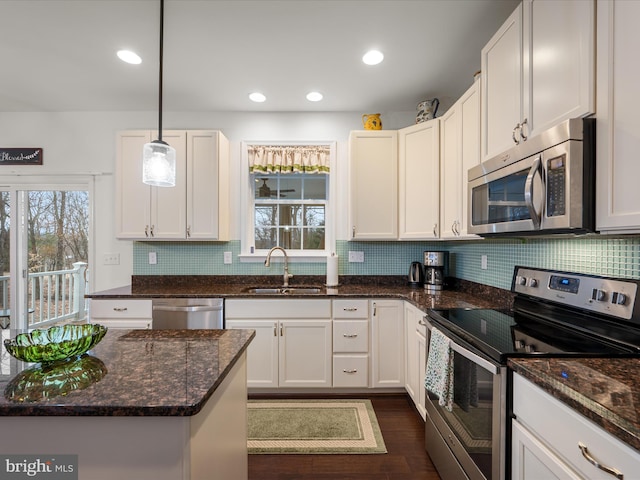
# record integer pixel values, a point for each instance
(190, 308)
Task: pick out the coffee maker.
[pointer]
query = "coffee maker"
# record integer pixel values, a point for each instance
(435, 265)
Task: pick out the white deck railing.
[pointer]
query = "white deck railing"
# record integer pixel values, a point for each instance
(53, 296)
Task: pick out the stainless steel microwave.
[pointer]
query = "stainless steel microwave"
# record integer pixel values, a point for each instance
(542, 186)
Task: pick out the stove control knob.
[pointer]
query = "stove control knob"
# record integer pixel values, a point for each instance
(520, 280)
(529, 349)
(519, 344)
(619, 298)
(533, 282)
(598, 295)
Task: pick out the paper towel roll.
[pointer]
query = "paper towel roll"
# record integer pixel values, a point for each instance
(332, 270)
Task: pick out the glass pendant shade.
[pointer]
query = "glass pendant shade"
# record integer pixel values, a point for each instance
(159, 164)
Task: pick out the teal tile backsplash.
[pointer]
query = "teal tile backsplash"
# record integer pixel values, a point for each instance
(617, 257)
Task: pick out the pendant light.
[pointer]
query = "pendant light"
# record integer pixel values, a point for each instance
(158, 157)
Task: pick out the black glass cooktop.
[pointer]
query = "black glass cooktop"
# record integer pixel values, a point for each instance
(501, 334)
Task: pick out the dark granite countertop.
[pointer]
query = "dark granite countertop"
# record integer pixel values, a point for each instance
(605, 390)
(129, 373)
(458, 294)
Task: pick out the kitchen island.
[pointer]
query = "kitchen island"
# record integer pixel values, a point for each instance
(144, 404)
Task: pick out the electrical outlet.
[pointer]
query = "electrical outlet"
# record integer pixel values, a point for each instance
(153, 258)
(111, 259)
(357, 257)
(483, 262)
(227, 258)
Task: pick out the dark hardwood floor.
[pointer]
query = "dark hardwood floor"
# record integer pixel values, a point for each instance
(403, 433)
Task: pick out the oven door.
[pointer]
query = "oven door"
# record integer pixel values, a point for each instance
(510, 199)
(470, 441)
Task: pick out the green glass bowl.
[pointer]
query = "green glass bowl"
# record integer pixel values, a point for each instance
(55, 343)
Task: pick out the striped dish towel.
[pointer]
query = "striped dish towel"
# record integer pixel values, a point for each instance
(439, 375)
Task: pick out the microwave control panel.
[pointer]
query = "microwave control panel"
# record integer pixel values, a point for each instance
(556, 186)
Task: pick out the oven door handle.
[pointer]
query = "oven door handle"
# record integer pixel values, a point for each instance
(477, 359)
(528, 194)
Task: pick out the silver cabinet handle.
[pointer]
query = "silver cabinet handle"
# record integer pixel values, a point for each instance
(522, 135)
(275, 329)
(435, 230)
(152, 227)
(513, 134)
(281, 331)
(610, 470)
(189, 231)
(353, 232)
(119, 309)
(421, 323)
(349, 335)
(375, 309)
(350, 309)
(350, 371)
(146, 230)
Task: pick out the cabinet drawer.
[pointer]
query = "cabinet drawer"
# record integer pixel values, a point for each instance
(125, 323)
(278, 309)
(120, 309)
(350, 370)
(562, 429)
(350, 336)
(351, 308)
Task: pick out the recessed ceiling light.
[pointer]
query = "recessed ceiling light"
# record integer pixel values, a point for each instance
(372, 57)
(314, 96)
(129, 57)
(257, 97)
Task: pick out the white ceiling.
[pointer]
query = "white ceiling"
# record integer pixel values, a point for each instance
(59, 55)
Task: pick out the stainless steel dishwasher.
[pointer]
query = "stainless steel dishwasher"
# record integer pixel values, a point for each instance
(188, 313)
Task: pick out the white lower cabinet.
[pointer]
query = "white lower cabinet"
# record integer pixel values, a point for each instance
(387, 343)
(416, 356)
(551, 440)
(123, 314)
(350, 343)
(292, 347)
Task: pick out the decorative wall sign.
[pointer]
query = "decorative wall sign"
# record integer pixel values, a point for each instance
(20, 156)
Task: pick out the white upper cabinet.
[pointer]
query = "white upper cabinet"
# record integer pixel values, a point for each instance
(373, 196)
(459, 151)
(617, 123)
(538, 70)
(419, 195)
(501, 63)
(196, 208)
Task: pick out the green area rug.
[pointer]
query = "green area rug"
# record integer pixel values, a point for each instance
(313, 427)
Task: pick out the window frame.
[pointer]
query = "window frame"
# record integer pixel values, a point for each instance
(247, 206)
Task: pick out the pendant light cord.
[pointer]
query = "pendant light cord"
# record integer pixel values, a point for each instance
(160, 75)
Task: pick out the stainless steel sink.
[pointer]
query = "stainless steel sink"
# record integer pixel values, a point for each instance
(302, 290)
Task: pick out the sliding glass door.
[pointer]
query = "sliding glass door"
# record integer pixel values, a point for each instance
(44, 254)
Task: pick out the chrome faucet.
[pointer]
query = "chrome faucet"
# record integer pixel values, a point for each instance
(286, 275)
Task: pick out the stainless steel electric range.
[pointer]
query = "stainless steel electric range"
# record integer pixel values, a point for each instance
(554, 313)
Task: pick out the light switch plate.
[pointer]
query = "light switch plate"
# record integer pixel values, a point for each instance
(111, 259)
(153, 258)
(228, 259)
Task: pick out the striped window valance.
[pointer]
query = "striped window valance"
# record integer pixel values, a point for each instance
(288, 159)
